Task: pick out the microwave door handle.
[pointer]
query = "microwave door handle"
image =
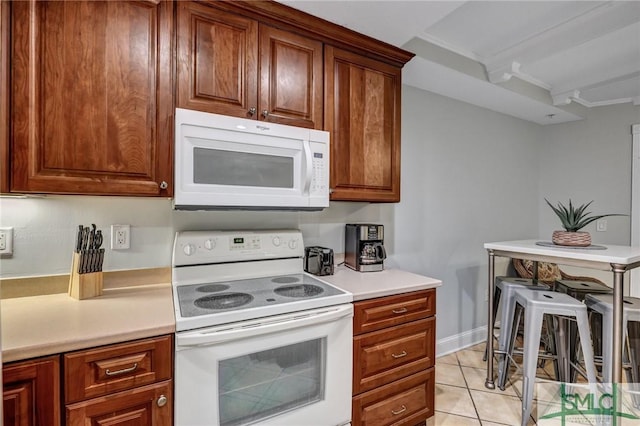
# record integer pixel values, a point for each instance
(308, 168)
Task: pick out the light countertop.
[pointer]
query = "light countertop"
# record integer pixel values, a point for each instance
(624, 255)
(54, 323)
(368, 285)
(40, 325)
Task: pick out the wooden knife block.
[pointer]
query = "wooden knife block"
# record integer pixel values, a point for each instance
(83, 286)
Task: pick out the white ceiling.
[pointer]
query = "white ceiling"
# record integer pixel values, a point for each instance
(539, 58)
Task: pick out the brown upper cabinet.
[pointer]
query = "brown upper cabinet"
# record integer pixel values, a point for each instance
(91, 109)
(362, 112)
(233, 65)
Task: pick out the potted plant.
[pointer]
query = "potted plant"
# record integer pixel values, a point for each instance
(573, 219)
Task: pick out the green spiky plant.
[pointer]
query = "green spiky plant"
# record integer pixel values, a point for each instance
(575, 218)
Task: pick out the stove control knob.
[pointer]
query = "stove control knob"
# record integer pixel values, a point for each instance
(276, 241)
(293, 244)
(189, 249)
(209, 244)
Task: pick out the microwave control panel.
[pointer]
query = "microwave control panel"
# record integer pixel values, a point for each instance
(319, 168)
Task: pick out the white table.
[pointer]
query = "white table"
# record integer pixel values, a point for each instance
(617, 259)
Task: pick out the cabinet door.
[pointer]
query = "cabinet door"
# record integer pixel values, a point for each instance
(290, 79)
(362, 112)
(146, 405)
(31, 393)
(217, 61)
(91, 97)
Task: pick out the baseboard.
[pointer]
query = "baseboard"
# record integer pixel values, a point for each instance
(460, 341)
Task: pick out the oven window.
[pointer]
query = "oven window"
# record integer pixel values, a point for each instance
(267, 383)
(219, 167)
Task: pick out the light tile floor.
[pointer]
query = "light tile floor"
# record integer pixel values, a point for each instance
(462, 399)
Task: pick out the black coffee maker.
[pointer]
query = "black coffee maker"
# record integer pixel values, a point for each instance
(364, 247)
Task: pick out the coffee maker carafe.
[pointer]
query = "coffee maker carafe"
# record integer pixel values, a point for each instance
(364, 247)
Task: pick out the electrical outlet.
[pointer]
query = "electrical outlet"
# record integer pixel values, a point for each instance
(6, 241)
(601, 225)
(120, 237)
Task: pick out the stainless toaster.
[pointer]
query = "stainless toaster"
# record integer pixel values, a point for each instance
(318, 260)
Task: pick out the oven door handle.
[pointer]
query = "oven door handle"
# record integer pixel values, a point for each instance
(222, 334)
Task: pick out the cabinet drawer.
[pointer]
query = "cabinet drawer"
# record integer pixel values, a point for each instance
(404, 402)
(146, 405)
(384, 312)
(95, 372)
(383, 356)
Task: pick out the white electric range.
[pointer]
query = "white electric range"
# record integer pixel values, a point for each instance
(258, 340)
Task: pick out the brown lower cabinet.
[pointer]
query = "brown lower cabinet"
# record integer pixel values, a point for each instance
(31, 392)
(394, 360)
(121, 384)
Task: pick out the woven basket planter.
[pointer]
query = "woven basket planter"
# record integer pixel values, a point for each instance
(573, 239)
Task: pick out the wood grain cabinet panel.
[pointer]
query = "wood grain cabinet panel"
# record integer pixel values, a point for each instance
(376, 314)
(217, 60)
(232, 65)
(143, 406)
(362, 112)
(104, 370)
(31, 392)
(91, 97)
(405, 402)
(387, 355)
(393, 359)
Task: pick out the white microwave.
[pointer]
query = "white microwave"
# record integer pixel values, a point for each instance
(224, 162)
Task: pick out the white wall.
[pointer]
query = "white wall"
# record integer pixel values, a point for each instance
(469, 176)
(589, 160)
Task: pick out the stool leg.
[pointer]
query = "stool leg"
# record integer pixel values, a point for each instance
(504, 362)
(587, 350)
(607, 346)
(496, 303)
(532, 330)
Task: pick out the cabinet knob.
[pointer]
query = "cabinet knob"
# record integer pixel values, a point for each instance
(162, 401)
(252, 110)
(164, 185)
(265, 113)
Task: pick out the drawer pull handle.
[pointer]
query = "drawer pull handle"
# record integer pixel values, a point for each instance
(400, 411)
(400, 355)
(123, 371)
(399, 311)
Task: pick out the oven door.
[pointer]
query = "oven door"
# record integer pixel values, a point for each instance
(292, 369)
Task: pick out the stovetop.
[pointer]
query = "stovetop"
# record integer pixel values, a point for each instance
(221, 277)
(220, 297)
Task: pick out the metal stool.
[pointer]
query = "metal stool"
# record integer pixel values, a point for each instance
(578, 290)
(536, 304)
(504, 293)
(603, 304)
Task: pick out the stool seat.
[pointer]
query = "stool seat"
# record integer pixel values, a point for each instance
(579, 289)
(536, 304)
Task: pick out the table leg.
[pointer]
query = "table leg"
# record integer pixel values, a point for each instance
(618, 332)
(489, 383)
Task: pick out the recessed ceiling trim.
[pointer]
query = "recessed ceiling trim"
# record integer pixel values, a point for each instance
(505, 73)
(453, 48)
(600, 20)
